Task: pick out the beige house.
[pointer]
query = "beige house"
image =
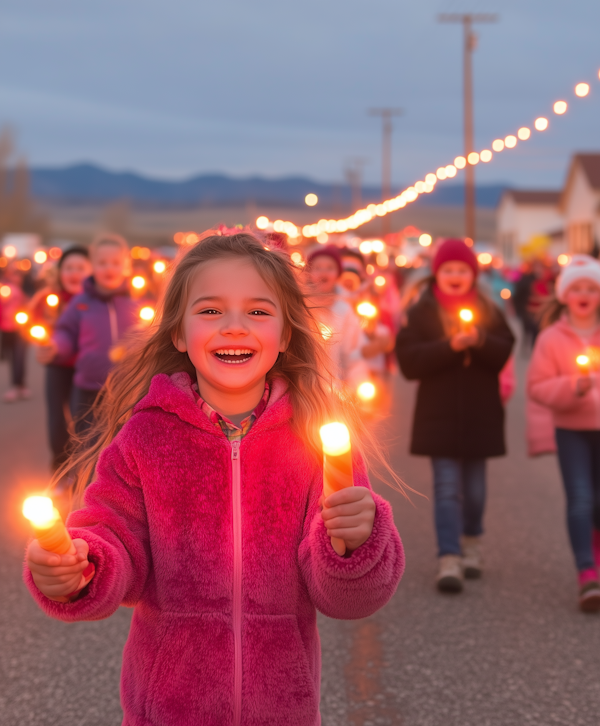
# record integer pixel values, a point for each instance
(523, 215)
(580, 203)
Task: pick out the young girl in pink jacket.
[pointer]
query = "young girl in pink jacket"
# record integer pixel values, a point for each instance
(206, 513)
(570, 389)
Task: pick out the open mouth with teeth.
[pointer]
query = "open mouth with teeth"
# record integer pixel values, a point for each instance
(234, 355)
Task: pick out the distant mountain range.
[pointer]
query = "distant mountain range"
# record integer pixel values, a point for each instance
(87, 183)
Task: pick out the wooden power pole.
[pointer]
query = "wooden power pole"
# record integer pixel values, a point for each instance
(386, 157)
(469, 45)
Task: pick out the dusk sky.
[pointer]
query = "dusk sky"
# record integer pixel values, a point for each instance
(274, 88)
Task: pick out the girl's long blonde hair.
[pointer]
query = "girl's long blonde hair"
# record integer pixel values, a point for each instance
(303, 366)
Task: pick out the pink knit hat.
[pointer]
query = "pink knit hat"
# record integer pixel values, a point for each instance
(327, 251)
(454, 250)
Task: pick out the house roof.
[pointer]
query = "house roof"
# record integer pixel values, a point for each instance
(534, 196)
(590, 164)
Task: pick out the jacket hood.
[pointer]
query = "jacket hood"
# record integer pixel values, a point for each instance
(89, 287)
(174, 394)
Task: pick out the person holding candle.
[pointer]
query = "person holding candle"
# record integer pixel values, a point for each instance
(93, 324)
(14, 345)
(207, 512)
(564, 377)
(46, 307)
(343, 335)
(459, 415)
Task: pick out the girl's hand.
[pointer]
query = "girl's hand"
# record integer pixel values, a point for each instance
(583, 385)
(46, 353)
(57, 576)
(463, 340)
(349, 515)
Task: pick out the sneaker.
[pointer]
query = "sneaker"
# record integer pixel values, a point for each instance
(589, 591)
(11, 396)
(24, 394)
(450, 574)
(472, 559)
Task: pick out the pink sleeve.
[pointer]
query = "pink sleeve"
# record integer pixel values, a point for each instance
(357, 586)
(113, 523)
(545, 383)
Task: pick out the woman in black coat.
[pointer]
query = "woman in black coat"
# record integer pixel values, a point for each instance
(459, 416)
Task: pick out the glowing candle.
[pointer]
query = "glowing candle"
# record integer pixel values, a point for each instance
(38, 332)
(366, 391)
(21, 318)
(147, 313)
(337, 466)
(138, 282)
(52, 300)
(366, 310)
(583, 362)
(48, 526)
(466, 318)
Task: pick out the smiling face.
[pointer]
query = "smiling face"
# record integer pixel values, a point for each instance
(582, 299)
(455, 278)
(110, 266)
(323, 274)
(73, 272)
(233, 332)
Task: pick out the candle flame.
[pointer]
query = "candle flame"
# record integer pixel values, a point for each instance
(367, 310)
(335, 438)
(160, 267)
(366, 391)
(21, 318)
(583, 360)
(138, 282)
(466, 315)
(38, 332)
(147, 313)
(52, 300)
(39, 511)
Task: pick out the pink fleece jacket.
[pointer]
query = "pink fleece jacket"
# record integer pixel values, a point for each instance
(221, 549)
(553, 374)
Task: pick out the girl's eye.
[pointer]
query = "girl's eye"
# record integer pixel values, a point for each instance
(209, 311)
(258, 312)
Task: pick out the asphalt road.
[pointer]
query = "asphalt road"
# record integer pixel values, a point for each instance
(511, 649)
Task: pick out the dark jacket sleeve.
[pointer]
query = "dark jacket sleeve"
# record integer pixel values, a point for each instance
(497, 346)
(419, 354)
(66, 332)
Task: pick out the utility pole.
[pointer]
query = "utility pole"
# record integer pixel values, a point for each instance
(386, 115)
(469, 45)
(353, 172)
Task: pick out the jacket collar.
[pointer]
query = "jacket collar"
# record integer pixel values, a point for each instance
(89, 287)
(564, 326)
(174, 394)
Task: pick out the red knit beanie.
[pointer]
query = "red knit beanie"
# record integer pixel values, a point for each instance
(454, 250)
(327, 251)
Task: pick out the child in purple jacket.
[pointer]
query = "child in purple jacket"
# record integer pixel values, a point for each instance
(93, 324)
(206, 514)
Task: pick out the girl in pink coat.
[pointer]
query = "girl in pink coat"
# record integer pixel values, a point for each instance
(564, 376)
(206, 513)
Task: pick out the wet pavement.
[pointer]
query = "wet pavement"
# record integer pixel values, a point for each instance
(511, 649)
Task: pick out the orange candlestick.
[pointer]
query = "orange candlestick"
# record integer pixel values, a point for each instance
(48, 526)
(337, 466)
(583, 362)
(466, 319)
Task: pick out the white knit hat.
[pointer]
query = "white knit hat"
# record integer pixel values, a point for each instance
(581, 267)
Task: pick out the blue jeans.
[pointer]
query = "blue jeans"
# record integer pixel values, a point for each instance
(459, 487)
(579, 459)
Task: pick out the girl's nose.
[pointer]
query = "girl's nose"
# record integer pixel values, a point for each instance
(234, 324)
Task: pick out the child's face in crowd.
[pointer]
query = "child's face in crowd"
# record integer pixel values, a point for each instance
(232, 327)
(455, 278)
(73, 272)
(583, 298)
(323, 274)
(109, 266)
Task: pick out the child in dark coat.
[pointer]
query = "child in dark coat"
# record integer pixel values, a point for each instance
(459, 416)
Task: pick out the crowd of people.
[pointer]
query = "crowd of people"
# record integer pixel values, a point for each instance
(199, 460)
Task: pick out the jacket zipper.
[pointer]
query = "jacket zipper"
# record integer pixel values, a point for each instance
(236, 503)
(114, 323)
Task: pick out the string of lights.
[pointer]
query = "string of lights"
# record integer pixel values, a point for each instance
(324, 227)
